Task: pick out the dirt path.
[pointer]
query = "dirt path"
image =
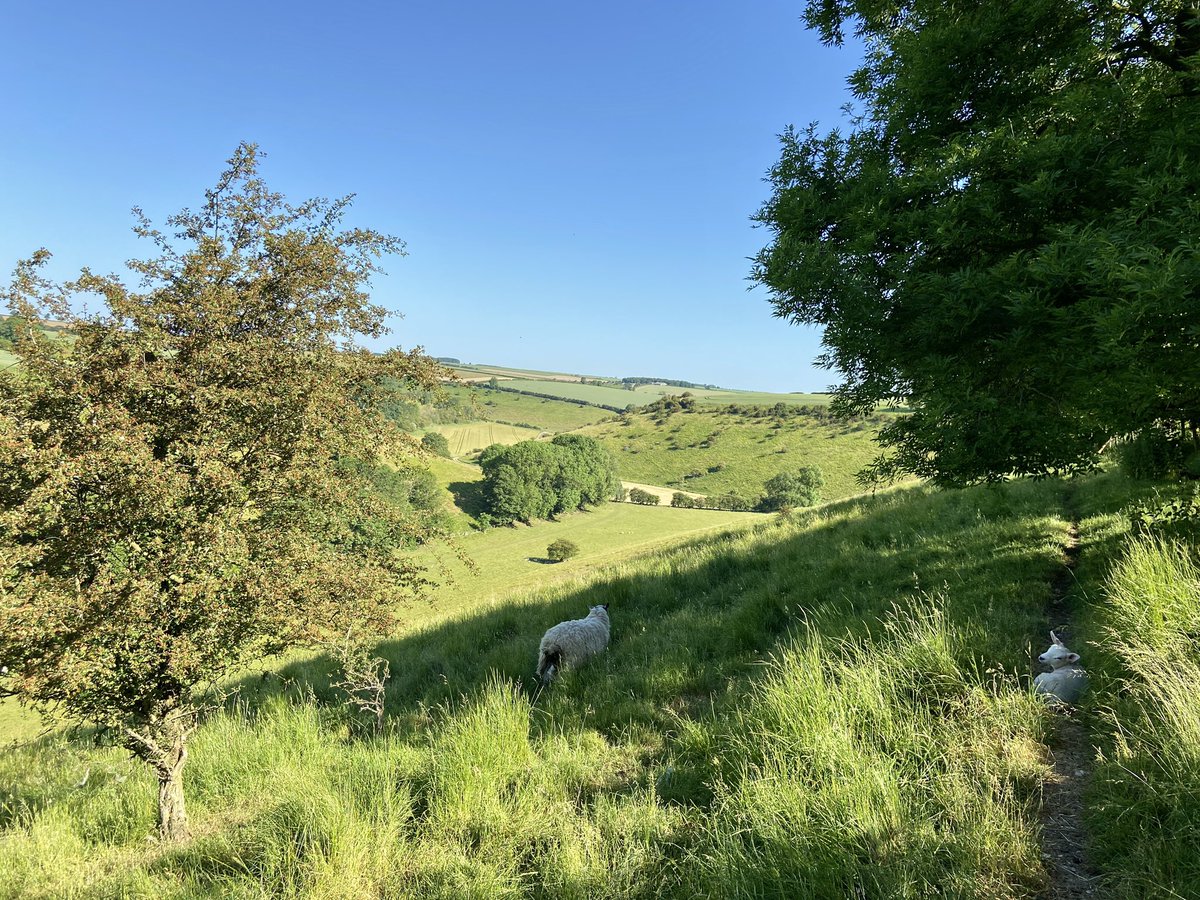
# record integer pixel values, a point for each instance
(1063, 836)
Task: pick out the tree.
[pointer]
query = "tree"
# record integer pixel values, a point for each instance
(435, 442)
(179, 487)
(1007, 237)
(562, 550)
(645, 498)
(535, 480)
(799, 488)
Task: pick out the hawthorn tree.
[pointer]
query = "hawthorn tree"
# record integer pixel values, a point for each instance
(1007, 235)
(182, 486)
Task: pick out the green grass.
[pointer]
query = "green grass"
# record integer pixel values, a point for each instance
(832, 706)
(517, 409)
(589, 393)
(7, 359)
(744, 451)
(1139, 606)
(825, 708)
(466, 438)
(511, 560)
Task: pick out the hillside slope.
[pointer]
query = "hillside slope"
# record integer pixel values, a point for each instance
(832, 706)
(715, 452)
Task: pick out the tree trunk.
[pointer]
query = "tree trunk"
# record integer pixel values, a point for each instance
(172, 816)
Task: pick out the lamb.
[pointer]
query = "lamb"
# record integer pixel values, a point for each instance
(1066, 681)
(572, 643)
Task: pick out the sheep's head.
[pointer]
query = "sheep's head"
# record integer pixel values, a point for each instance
(1058, 654)
(599, 610)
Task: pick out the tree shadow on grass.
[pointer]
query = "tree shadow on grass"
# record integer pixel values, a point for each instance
(468, 497)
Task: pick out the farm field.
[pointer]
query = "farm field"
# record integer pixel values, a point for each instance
(511, 560)
(538, 412)
(744, 452)
(589, 393)
(467, 438)
(6, 359)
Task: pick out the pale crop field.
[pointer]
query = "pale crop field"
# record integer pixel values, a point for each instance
(465, 439)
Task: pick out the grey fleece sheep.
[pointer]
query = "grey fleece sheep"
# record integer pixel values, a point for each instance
(572, 643)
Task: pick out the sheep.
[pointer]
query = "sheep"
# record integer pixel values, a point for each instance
(1066, 681)
(572, 643)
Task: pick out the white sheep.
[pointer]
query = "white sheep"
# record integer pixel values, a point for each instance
(572, 643)
(1066, 681)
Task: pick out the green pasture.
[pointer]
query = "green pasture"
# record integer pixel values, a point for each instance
(570, 390)
(7, 359)
(472, 436)
(508, 371)
(538, 412)
(832, 705)
(744, 451)
(511, 560)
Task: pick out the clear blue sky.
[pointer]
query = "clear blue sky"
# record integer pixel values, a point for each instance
(574, 181)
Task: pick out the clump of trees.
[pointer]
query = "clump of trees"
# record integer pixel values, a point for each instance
(536, 479)
(645, 498)
(435, 442)
(192, 482)
(729, 501)
(1007, 236)
(791, 489)
(562, 550)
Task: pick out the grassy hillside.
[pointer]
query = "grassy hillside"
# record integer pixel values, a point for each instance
(511, 560)
(876, 753)
(832, 706)
(518, 409)
(713, 453)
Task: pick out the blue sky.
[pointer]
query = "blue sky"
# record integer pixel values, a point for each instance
(574, 181)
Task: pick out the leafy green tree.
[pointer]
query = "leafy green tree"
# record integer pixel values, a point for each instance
(799, 488)
(1007, 237)
(562, 550)
(435, 442)
(535, 480)
(645, 498)
(178, 493)
(10, 330)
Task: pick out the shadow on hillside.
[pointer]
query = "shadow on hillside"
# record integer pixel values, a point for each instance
(468, 497)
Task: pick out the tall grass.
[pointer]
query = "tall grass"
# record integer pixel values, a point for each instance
(1145, 807)
(821, 708)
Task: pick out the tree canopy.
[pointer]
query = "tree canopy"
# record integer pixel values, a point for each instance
(188, 483)
(1007, 235)
(535, 480)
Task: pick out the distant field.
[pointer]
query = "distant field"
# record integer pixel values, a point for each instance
(744, 451)
(512, 560)
(589, 393)
(464, 439)
(6, 359)
(551, 415)
(758, 398)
